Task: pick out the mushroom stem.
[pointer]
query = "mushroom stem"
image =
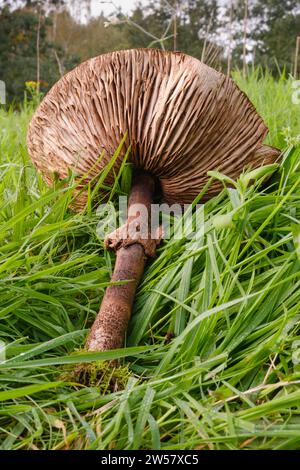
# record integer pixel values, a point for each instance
(110, 325)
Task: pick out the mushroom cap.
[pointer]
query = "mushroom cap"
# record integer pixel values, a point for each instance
(182, 119)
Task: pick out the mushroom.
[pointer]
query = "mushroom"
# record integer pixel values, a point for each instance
(181, 119)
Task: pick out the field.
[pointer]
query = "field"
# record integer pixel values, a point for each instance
(230, 377)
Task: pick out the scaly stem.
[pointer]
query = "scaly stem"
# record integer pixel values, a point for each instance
(111, 323)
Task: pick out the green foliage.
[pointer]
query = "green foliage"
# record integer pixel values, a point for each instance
(273, 26)
(273, 98)
(89, 40)
(18, 52)
(197, 20)
(279, 43)
(279, 26)
(229, 379)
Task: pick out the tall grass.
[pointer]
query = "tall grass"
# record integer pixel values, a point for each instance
(230, 377)
(273, 99)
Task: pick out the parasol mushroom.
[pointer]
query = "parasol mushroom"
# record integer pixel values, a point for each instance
(182, 119)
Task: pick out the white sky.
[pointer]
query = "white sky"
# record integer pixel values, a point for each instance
(98, 6)
(107, 8)
(127, 6)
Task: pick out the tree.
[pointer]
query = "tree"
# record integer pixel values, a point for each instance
(273, 26)
(196, 22)
(18, 52)
(279, 26)
(90, 39)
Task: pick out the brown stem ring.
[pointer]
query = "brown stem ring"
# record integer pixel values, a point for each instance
(110, 325)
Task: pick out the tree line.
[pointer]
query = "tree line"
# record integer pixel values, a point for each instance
(40, 41)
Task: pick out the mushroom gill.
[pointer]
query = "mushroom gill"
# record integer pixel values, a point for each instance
(181, 118)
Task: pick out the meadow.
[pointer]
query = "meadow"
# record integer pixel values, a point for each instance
(230, 376)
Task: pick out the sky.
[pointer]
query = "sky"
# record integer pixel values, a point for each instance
(127, 6)
(98, 5)
(107, 8)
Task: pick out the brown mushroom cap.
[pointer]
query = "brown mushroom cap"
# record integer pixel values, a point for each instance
(182, 119)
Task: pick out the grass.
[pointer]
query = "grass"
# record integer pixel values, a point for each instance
(230, 377)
